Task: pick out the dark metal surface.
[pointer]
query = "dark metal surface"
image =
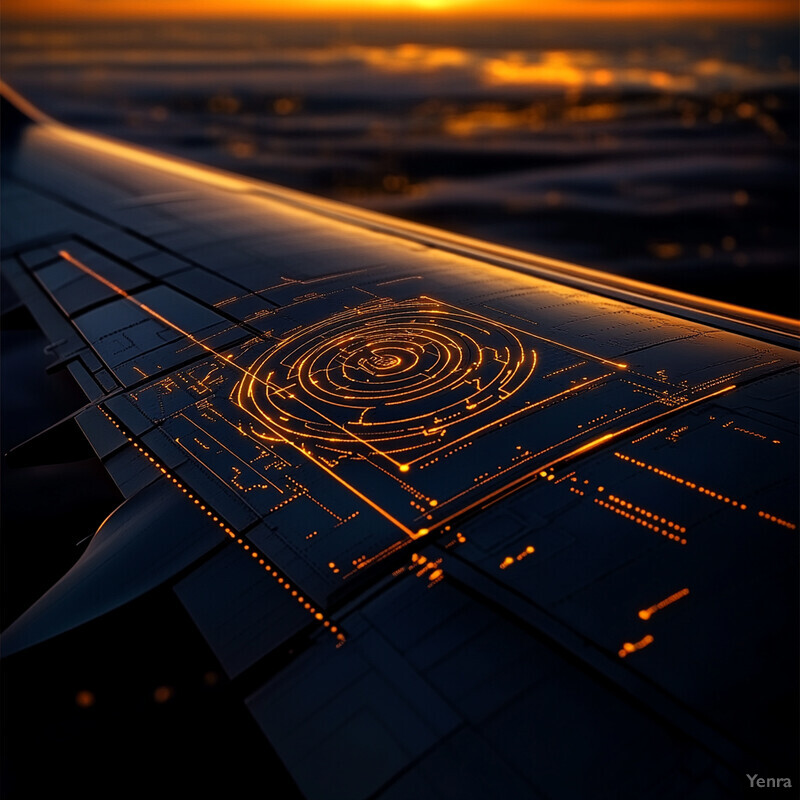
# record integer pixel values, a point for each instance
(458, 526)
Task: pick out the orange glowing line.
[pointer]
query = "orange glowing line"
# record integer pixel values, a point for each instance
(102, 524)
(72, 260)
(385, 553)
(238, 458)
(152, 312)
(672, 411)
(549, 341)
(327, 419)
(470, 318)
(356, 492)
(491, 497)
(607, 437)
(632, 647)
(591, 445)
(646, 613)
(330, 472)
(492, 424)
(503, 490)
(246, 434)
(200, 460)
(255, 554)
(122, 293)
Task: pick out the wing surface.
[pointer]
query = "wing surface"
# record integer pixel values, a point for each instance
(436, 507)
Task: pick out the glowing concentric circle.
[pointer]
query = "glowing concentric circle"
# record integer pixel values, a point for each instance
(392, 377)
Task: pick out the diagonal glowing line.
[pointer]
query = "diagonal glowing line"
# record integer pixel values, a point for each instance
(503, 490)
(491, 497)
(519, 411)
(227, 359)
(330, 472)
(538, 336)
(152, 312)
(118, 290)
(199, 460)
(327, 419)
(237, 457)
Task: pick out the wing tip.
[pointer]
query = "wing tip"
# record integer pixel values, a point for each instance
(16, 114)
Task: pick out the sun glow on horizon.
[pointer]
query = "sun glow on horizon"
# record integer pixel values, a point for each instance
(572, 10)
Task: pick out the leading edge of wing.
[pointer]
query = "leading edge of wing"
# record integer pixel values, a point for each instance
(778, 329)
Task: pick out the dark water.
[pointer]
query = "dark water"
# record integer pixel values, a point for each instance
(664, 152)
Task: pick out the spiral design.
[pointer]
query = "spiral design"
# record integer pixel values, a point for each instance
(392, 377)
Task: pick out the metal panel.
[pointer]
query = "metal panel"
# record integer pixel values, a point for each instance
(246, 616)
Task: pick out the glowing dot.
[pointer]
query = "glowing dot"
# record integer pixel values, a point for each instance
(84, 699)
(404, 468)
(210, 679)
(422, 532)
(644, 614)
(162, 694)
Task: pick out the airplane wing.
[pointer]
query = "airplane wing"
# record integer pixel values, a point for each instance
(454, 520)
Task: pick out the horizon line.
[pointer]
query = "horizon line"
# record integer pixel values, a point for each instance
(574, 12)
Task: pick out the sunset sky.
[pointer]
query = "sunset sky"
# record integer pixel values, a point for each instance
(462, 8)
